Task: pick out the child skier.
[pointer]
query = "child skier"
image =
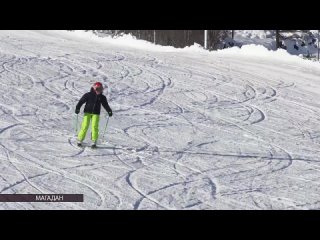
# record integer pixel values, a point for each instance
(93, 99)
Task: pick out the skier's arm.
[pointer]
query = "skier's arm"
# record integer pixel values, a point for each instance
(83, 99)
(106, 106)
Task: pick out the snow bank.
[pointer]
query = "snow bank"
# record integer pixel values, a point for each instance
(253, 50)
(296, 43)
(127, 40)
(256, 50)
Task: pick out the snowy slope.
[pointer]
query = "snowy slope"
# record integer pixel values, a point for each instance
(234, 129)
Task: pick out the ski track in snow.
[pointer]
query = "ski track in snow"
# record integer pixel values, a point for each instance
(188, 131)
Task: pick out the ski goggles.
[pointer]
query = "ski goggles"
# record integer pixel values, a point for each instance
(99, 89)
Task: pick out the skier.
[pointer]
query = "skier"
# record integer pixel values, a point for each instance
(93, 99)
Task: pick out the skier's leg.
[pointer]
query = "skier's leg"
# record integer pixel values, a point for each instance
(95, 127)
(84, 126)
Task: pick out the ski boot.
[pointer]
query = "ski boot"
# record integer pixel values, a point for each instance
(79, 144)
(94, 145)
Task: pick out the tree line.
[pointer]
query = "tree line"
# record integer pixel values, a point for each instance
(216, 39)
(177, 38)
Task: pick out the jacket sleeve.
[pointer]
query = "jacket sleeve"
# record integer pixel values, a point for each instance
(105, 104)
(83, 100)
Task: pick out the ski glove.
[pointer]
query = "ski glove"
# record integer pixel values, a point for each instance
(110, 114)
(77, 111)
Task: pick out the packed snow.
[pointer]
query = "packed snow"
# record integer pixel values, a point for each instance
(232, 129)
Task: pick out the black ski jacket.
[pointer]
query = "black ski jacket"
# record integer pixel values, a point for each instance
(93, 102)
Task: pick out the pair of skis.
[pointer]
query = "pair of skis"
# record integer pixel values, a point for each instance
(93, 146)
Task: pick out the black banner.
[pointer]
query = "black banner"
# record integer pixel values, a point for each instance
(41, 197)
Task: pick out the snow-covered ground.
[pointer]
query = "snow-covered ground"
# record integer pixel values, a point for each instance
(233, 129)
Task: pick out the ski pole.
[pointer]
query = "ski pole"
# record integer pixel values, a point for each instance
(105, 128)
(77, 124)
